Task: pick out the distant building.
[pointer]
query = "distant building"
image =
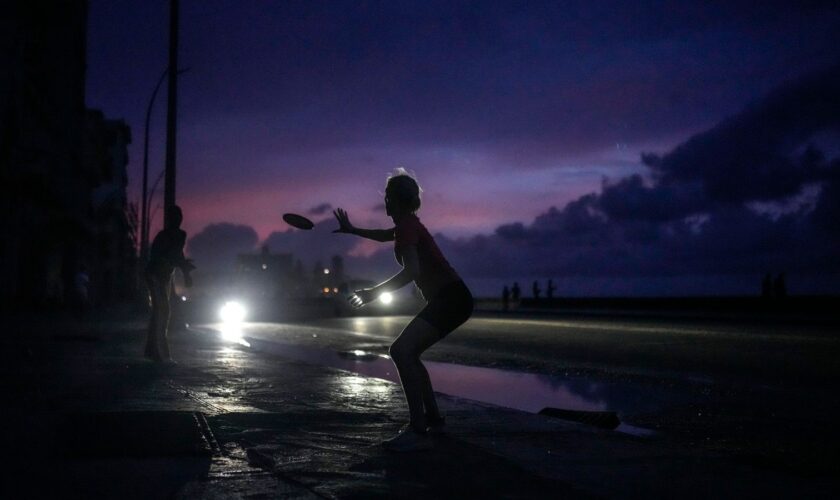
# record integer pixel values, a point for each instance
(280, 275)
(266, 274)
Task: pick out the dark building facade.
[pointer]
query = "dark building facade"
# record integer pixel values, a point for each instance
(50, 170)
(111, 250)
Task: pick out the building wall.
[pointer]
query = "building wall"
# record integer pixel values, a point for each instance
(113, 276)
(48, 221)
(42, 81)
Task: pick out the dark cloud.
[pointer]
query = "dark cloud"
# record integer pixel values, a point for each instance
(827, 209)
(753, 156)
(631, 198)
(215, 248)
(320, 209)
(512, 232)
(317, 244)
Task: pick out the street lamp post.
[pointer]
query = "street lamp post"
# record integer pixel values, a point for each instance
(144, 223)
(171, 110)
(151, 197)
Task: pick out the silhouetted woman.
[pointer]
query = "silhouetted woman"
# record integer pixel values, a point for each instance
(449, 304)
(166, 254)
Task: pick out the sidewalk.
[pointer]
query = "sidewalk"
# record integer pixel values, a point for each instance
(87, 417)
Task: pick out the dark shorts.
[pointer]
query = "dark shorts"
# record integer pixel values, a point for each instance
(449, 309)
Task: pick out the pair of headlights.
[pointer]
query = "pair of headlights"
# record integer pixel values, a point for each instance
(234, 312)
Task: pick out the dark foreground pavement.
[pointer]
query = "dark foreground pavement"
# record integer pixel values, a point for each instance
(85, 416)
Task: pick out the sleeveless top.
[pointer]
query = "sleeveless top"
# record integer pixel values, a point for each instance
(435, 272)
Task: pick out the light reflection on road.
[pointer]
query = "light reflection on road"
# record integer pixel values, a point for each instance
(530, 392)
(523, 391)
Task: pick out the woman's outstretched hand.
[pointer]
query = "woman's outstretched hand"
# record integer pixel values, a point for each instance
(361, 297)
(344, 225)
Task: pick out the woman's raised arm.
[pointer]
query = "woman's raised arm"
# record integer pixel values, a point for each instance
(345, 226)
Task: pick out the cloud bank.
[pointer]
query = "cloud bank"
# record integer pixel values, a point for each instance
(755, 193)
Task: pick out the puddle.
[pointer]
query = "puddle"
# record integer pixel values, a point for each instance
(528, 392)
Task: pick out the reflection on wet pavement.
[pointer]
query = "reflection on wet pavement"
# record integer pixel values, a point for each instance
(335, 453)
(528, 392)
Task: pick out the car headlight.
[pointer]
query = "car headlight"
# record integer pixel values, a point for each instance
(232, 312)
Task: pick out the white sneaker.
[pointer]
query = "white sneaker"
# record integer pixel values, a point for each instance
(408, 440)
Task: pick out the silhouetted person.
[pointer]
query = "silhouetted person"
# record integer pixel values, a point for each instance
(449, 304)
(767, 286)
(505, 298)
(535, 289)
(515, 292)
(166, 254)
(81, 290)
(779, 287)
(549, 291)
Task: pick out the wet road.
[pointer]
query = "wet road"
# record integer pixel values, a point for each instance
(764, 390)
(690, 377)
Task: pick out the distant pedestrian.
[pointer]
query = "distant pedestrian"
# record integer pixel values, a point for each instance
(549, 291)
(779, 286)
(166, 254)
(535, 288)
(505, 298)
(515, 292)
(767, 286)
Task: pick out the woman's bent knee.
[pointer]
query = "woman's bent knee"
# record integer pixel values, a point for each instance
(399, 351)
(418, 336)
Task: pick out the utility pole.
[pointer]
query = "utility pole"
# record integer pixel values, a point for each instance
(171, 111)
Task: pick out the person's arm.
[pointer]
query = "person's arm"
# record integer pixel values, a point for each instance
(184, 264)
(185, 271)
(380, 235)
(409, 272)
(344, 226)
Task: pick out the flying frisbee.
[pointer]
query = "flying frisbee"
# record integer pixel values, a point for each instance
(298, 221)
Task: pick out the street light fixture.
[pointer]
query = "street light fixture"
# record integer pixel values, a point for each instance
(146, 197)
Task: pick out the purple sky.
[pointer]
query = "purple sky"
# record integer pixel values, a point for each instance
(503, 110)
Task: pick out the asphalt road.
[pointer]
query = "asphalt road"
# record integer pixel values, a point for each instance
(673, 350)
(721, 384)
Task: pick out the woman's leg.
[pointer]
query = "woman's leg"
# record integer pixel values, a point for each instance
(418, 336)
(430, 407)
